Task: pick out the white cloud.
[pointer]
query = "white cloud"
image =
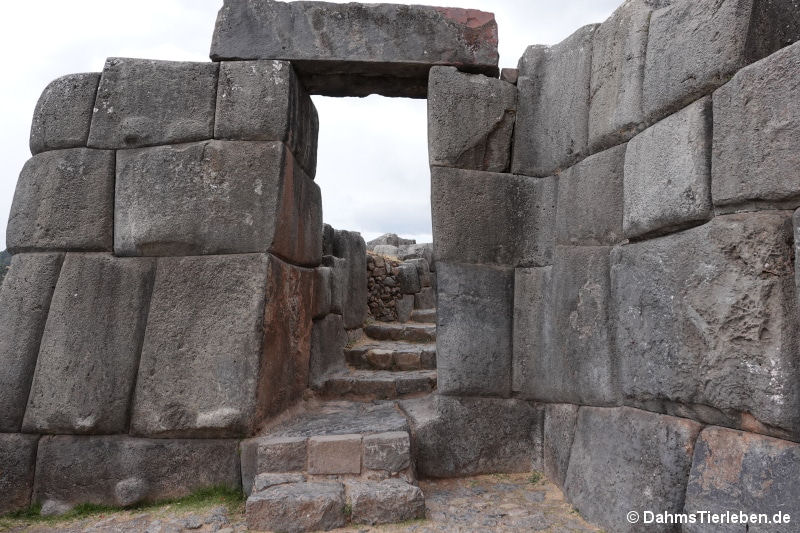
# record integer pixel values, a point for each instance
(373, 151)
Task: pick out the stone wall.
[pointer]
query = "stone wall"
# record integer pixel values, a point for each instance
(615, 239)
(398, 287)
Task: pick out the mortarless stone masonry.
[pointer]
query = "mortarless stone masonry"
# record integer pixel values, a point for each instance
(598, 247)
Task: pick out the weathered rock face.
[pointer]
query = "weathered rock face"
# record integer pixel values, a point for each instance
(624, 459)
(680, 63)
(64, 201)
(328, 339)
(744, 472)
(668, 173)
(24, 303)
(581, 366)
(358, 49)
(533, 326)
(142, 102)
(203, 310)
(473, 337)
(120, 470)
(297, 507)
(470, 120)
(590, 200)
(494, 435)
(247, 197)
(618, 60)
(756, 143)
(89, 351)
(391, 500)
(560, 420)
(390, 239)
(264, 101)
(17, 461)
(553, 105)
(706, 319)
(339, 279)
(350, 245)
(64, 112)
(485, 217)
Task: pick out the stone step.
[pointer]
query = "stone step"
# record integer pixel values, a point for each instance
(392, 355)
(394, 331)
(287, 504)
(378, 384)
(424, 316)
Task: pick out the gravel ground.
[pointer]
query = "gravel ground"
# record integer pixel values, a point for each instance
(498, 502)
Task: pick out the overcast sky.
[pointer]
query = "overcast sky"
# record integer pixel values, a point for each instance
(372, 151)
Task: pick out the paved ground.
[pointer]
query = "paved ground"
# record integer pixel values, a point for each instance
(496, 502)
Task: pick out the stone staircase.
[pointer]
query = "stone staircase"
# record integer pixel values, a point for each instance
(345, 456)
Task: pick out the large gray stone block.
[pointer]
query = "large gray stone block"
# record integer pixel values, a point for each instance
(383, 502)
(264, 101)
(591, 200)
(217, 197)
(493, 435)
(17, 464)
(473, 330)
(470, 120)
(297, 507)
(533, 326)
(694, 47)
(358, 49)
(24, 303)
(144, 102)
(322, 292)
(618, 60)
(63, 113)
(581, 366)
(89, 352)
(407, 278)
(340, 275)
(64, 201)
(757, 136)
(706, 323)
(121, 471)
(560, 420)
(626, 460)
(227, 343)
(350, 245)
(551, 132)
(328, 340)
(485, 217)
(668, 173)
(747, 473)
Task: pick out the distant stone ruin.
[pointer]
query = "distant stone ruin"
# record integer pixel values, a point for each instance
(614, 249)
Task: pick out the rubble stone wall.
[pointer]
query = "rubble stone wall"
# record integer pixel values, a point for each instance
(626, 255)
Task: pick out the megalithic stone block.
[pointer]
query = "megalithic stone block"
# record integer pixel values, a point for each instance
(560, 420)
(64, 112)
(473, 333)
(17, 465)
(591, 200)
(89, 352)
(350, 245)
(486, 217)
(641, 460)
(582, 367)
(748, 473)
(64, 201)
(706, 323)
(322, 292)
(757, 137)
(533, 326)
(328, 340)
(340, 275)
(264, 101)
(470, 120)
(120, 470)
(618, 60)
(552, 128)
(227, 343)
(358, 49)
(681, 66)
(24, 303)
(216, 197)
(144, 102)
(668, 173)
